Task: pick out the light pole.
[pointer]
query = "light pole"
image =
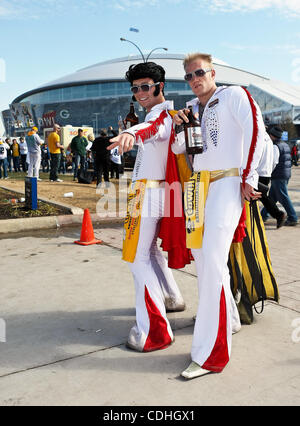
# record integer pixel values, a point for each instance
(156, 48)
(124, 39)
(164, 48)
(96, 114)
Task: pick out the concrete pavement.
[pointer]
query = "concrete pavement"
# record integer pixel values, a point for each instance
(68, 310)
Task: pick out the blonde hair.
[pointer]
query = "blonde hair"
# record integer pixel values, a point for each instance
(191, 57)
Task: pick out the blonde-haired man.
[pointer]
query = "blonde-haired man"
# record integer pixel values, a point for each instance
(191, 57)
(233, 138)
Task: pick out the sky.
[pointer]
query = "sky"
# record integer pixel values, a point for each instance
(44, 40)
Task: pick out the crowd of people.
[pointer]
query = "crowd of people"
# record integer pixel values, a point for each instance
(30, 154)
(13, 154)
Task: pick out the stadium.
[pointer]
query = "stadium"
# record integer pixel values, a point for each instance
(98, 94)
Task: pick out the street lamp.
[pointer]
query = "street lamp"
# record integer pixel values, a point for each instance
(156, 48)
(96, 114)
(164, 48)
(124, 39)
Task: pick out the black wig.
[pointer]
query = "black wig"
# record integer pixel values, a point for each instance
(146, 69)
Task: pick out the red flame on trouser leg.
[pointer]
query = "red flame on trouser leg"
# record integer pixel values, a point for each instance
(158, 336)
(219, 356)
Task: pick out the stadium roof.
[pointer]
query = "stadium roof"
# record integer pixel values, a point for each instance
(115, 69)
(278, 89)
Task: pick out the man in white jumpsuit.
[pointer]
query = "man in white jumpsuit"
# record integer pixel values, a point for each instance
(156, 289)
(34, 143)
(233, 135)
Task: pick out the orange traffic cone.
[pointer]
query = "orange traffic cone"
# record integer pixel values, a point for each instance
(87, 236)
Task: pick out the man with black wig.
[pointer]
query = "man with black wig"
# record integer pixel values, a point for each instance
(156, 289)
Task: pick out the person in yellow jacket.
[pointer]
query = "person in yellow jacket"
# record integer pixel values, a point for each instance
(55, 153)
(16, 155)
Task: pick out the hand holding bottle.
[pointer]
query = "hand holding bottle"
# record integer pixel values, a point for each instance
(187, 122)
(181, 116)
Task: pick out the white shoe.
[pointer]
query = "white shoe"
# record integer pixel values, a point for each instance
(194, 370)
(59, 180)
(173, 306)
(135, 340)
(39, 179)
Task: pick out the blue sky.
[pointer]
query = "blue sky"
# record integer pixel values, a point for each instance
(44, 40)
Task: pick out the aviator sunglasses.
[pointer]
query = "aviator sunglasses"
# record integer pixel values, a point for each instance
(198, 73)
(143, 87)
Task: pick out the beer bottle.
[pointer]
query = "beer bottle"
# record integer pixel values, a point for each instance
(193, 134)
(131, 118)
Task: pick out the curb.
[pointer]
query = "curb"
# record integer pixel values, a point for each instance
(9, 226)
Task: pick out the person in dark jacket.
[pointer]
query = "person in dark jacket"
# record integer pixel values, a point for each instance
(45, 158)
(280, 177)
(78, 147)
(101, 155)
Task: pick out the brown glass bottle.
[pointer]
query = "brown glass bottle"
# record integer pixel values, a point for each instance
(131, 118)
(193, 134)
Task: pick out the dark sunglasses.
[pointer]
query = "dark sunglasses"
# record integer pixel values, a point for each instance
(198, 73)
(143, 87)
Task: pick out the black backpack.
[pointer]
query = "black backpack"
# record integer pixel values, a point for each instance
(85, 176)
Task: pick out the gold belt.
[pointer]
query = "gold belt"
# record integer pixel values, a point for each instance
(195, 199)
(154, 183)
(219, 174)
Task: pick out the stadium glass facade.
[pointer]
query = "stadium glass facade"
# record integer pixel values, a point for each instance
(98, 95)
(98, 105)
(94, 91)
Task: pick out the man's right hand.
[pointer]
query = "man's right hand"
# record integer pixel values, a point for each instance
(181, 116)
(124, 142)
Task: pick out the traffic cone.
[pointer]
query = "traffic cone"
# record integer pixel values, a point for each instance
(87, 236)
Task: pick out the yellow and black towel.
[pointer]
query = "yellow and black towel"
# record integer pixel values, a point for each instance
(250, 267)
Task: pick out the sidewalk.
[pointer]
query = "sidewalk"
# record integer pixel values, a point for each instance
(68, 310)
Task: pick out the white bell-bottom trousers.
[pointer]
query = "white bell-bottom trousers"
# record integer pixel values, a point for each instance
(154, 281)
(217, 315)
(34, 164)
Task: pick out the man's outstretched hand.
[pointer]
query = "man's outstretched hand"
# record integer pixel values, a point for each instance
(124, 142)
